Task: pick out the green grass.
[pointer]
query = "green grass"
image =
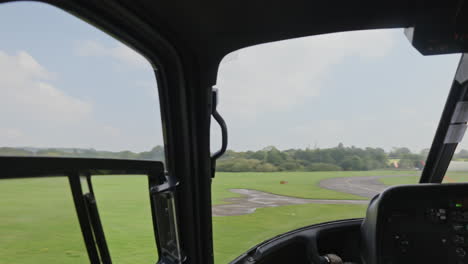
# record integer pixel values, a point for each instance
(400, 180)
(449, 177)
(300, 184)
(459, 176)
(38, 221)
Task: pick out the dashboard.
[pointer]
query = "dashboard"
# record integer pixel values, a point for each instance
(424, 223)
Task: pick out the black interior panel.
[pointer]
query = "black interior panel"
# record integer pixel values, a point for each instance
(307, 244)
(424, 223)
(342, 241)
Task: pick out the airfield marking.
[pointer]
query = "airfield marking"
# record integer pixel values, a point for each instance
(254, 199)
(251, 200)
(365, 186)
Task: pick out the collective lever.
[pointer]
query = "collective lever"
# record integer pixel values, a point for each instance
(332, 259)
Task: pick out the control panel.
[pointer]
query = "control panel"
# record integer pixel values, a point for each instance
(425, 223)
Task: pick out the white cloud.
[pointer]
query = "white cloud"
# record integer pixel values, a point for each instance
(120, 52)
(276, 76)
(28, 64)
(111, 131)
(10, 134)
(25, 91)
(265, 91)
(36, 113)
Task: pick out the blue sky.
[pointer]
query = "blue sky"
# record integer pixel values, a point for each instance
(115, 85)
(67, 84)
(367, 88)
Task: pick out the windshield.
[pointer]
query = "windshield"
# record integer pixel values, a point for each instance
(318, 126)
(68, 89)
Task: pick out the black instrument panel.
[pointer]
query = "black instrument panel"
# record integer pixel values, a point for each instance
(424, 223)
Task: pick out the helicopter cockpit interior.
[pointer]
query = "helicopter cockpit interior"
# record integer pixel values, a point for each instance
(185, 42)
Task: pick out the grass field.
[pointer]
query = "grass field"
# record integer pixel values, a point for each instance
(449, 177)
(38, 222)
(300, 184)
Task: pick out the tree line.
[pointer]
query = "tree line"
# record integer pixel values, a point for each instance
(156, 153)
(269, 159)
(352, 158)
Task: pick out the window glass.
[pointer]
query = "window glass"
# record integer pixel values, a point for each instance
(125, 212)
(458, 168)
(68, 89)
(38, 222)
(318, 126)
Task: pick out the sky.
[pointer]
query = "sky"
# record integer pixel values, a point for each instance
(364, 89)
(66, 84)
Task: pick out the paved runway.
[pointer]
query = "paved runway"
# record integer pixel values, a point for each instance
(253, 199)
(366, 186)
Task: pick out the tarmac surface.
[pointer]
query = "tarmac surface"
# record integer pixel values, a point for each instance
(366, 186)
(251, 200)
